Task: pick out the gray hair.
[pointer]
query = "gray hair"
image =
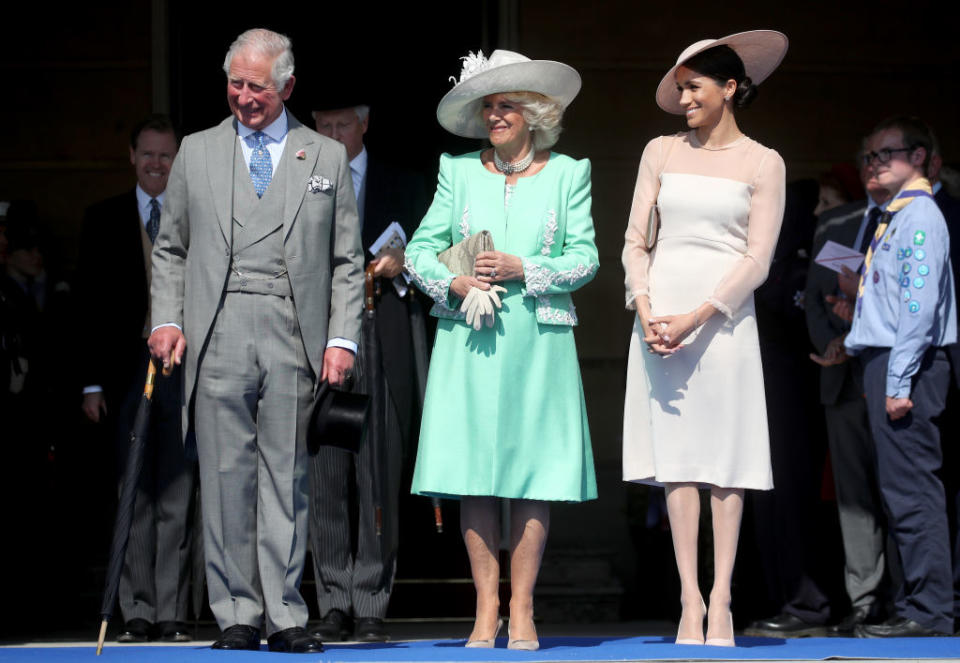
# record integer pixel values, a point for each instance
(542, 114)
(362, 111)
(268, 43)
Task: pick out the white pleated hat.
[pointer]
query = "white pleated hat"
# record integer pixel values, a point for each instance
(761, 52)
(505, 71)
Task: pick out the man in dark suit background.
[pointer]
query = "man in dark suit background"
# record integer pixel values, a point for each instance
(950, 420)
(354, 570)
(113, 280)
(848, 432)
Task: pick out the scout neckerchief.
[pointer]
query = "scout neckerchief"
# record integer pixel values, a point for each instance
(915, 189)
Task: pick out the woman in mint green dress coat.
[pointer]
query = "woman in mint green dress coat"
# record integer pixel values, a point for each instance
(504, 415)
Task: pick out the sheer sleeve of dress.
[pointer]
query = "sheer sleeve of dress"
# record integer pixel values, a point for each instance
(636, 258)
(763, 228)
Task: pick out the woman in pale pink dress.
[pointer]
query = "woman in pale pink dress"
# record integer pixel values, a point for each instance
(694, 415)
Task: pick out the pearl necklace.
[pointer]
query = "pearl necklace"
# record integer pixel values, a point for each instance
(512, 167)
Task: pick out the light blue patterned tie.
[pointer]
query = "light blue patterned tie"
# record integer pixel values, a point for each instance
(261, 168)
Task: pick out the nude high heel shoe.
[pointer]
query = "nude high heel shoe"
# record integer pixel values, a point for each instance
(693, 641)
(722, 642)
(489, 642)
(524, 645)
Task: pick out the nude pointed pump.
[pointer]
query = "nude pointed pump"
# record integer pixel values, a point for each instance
(522, 645)
(489, 642)
(723, 642)
(693, 641)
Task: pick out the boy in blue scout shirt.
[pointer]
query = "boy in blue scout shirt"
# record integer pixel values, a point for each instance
(904, 315)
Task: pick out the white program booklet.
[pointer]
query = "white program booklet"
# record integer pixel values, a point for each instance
(835, 256)
(393, 238)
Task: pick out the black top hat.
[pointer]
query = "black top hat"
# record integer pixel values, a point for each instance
(338, 419)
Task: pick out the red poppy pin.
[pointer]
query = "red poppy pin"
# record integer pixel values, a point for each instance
(301, 154)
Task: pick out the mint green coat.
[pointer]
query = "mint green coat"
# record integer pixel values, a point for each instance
(504, 413)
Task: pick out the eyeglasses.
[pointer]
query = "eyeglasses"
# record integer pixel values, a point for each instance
(884, 155)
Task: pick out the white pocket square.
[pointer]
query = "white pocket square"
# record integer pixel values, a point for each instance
(316, 184)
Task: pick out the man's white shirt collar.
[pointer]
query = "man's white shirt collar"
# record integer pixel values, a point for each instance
(276, 139)
(359, 162)
(143, 203)
(276, 130)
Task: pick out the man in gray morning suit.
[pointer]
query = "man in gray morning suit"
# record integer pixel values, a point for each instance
(852, 452)
(268, 305)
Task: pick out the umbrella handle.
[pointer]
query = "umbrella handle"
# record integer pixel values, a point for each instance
(152, 375)
(151, 378)
(369, 283)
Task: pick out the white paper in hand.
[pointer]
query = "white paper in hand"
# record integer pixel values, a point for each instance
(836, 256)
(392, 238)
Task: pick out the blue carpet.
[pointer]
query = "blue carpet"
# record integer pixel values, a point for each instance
(552, 649)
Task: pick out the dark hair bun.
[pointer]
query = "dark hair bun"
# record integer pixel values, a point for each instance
(745, 94)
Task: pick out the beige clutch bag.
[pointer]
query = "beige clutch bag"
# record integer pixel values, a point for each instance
(653, 227)
(460, 257)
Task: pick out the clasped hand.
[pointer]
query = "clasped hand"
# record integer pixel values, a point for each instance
(835, 353)
(664, 334)
(494, 266)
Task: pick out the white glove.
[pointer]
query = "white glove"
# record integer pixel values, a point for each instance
(479, 306)
(492, 301)
(470, 307)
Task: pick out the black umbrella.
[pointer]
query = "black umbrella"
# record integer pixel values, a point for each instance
(372, 376)
(128, 494)
(418, 332)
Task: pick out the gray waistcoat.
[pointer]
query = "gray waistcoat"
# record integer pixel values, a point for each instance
(258, 264)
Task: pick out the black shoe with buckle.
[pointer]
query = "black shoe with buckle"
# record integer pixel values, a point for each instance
(847, 625)
(238, 636)
(294, 640)
(334, 626)
(785, 625)
(136, 630)
(898, 627)
(370, 629)
(174, 632)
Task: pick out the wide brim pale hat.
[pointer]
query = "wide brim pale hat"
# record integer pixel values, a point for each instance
(761, 52)
(505, 71)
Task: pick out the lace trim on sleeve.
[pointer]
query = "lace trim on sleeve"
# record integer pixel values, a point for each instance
(465, 223)
(631, 298)
(436, 289)
(548, 314)
(549, 230)
(720, 306)
(539, 279)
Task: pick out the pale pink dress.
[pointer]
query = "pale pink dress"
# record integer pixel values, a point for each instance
(700, 415)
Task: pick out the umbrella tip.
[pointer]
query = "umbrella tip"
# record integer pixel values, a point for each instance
(103, 635)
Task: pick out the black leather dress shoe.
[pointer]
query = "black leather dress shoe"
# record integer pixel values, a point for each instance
(370, 629)
(898, 627)
(238, 636)
(174, 632)
(785, 625)
(294, 640)
(334, 626)
(845, 628)
(136, 630)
